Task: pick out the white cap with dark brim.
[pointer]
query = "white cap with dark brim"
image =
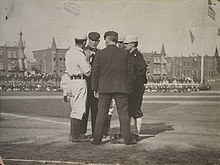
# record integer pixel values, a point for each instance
(121, 38)
(81, 36)
(130, 38)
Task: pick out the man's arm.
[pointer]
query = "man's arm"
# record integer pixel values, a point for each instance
(140, 64)
(84, 65)
(95, 72)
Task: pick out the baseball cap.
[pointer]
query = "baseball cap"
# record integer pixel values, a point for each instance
(81, 36)
(111, 33)
(130, 38)
(94, 36)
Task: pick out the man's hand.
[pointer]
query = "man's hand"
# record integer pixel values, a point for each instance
(88, 54)
(96, 94)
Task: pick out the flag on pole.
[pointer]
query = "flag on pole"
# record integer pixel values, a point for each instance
(211, 12)
(191, 36)
(218, 33)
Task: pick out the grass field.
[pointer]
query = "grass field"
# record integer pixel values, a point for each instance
(36, 131)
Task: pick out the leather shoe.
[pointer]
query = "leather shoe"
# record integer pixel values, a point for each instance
(80, 140)
(93, 142)
(135, 136)
(134, 141)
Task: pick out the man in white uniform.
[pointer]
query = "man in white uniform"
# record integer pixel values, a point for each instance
(77, 68)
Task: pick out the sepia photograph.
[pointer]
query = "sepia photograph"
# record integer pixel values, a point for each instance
(110, 82)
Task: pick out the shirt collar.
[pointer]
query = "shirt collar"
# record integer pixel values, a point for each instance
(134, 50)
(90, 48)
(78, 48)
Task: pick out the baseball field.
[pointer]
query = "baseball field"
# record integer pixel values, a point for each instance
(178, 129)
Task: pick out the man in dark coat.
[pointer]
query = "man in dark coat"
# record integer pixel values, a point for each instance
(92, 102)
(138, 81)
(110, 80)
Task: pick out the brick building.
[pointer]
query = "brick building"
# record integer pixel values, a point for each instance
(51, 60)
(160, 64)
(13, 59)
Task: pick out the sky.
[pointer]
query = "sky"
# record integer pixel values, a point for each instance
(154, 22)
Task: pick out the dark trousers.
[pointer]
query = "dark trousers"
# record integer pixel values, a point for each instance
(103, 108)
(75, 128)
(92, 103)
(135, 101)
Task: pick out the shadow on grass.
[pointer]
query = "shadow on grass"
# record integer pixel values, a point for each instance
(147, 130)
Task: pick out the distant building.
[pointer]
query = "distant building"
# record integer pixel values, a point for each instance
(51, 60)
(13, 59)
(160, 64)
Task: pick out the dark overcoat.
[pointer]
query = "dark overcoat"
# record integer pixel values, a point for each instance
(110, 71)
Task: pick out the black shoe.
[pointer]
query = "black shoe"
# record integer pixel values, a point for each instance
(80, 140)
(135, 136)
(134, 141)
(93, 142)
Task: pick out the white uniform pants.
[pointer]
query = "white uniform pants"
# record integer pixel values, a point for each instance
(78, 95)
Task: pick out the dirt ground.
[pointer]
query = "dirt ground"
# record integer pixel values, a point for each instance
(186, 131)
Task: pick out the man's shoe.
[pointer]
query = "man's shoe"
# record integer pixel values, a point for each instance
(80, 140)
(134, 141)
(93, 142)
(135, 136)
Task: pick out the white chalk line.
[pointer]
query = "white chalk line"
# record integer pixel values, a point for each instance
(30, 97)
(207, 96)
(114, 123)
(43, 161)
(34, 118)
(61, 97)
(183, 102)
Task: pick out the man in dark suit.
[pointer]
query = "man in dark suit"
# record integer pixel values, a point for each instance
(110, 80)
(139, 79)
(92, 102)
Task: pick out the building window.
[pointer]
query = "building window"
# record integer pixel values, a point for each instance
(54, 59)
(61, 59)
(54, 71)
(184, 63)
(188, 63)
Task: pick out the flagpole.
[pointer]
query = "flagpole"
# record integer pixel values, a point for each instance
(203, 50)
(202, 68)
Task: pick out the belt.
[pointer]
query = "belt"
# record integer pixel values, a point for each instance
(77, 77)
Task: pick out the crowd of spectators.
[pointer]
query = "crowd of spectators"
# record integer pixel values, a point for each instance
(51, 82)
(30, 82)
(173, 84)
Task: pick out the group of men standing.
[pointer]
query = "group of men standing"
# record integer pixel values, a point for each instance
(96, 77)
